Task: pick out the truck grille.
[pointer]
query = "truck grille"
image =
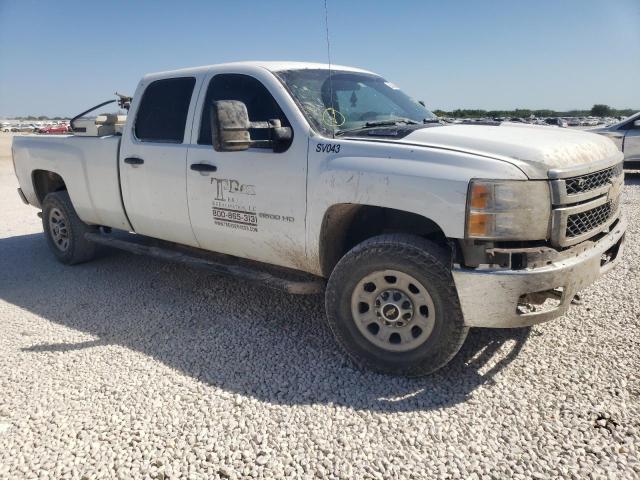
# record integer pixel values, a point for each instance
(592, 181)
(584, 205)
(584, 222)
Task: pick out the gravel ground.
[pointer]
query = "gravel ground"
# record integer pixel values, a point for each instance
(127, 367)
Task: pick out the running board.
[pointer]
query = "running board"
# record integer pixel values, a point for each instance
(292, 281)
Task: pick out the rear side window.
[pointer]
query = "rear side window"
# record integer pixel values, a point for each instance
(162, 114)
(261, 106)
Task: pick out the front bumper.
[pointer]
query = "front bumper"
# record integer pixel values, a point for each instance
(490, 297)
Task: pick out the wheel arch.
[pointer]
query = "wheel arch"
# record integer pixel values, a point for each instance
(45, 182)
(345, 225)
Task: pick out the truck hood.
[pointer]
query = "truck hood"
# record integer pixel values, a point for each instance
(533, 149)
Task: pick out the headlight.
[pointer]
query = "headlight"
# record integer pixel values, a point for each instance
(508, 210)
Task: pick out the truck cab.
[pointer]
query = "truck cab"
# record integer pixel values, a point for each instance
(249, 203)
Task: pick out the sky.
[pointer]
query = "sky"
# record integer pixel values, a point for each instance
(59, 58)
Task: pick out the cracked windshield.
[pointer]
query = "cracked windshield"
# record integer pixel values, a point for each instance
(346, 101)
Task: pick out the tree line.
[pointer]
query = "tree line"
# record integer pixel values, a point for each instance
(598, 110)
(40, 118)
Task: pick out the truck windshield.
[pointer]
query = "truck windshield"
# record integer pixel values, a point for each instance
(351, 100)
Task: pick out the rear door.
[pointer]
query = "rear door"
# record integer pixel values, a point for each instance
(153, 159)
(253, 205)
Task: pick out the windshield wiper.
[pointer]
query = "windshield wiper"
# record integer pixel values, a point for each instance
(395, 121)
(379, 123)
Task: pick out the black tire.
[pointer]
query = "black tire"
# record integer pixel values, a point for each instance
(76, 249)
(429, 265)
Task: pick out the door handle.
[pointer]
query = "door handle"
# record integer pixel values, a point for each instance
(133, 161)
(203, 167)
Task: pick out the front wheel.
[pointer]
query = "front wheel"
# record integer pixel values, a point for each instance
(65, 231)
(392, 305)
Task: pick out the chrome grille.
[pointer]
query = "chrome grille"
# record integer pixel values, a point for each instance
(584, 222)
(584, 202)
(591, 181)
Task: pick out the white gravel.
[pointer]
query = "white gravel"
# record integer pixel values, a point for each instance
(131, 368)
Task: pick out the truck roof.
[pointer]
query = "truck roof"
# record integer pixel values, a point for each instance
(272, 66)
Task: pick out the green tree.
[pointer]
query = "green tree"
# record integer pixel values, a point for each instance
(522, 112)
(600, 110)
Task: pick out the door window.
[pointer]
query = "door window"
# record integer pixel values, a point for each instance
(631, 126)
(163, 110)
(261, 106)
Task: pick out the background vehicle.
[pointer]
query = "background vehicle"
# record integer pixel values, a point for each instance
(559, 122)
(304, 174)
(51, 129)
(23, 127)
(626, 135)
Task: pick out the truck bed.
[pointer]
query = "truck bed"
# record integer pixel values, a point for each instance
(88, 166)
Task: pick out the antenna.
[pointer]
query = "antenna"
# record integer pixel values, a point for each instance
(333, 110)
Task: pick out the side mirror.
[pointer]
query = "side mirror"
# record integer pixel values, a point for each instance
(636, 123)
(230, 126)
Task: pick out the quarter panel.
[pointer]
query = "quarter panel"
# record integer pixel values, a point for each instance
(88, 166)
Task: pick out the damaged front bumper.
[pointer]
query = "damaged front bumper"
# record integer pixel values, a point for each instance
(494, 297)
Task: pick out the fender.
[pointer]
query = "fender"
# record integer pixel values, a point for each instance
(428, 182)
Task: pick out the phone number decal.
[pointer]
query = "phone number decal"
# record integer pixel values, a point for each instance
(237, 216)
(238, 219)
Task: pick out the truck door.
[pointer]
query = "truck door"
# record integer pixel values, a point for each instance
(153, 159)
(248, 203)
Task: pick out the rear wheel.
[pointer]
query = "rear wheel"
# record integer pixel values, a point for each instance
(65, 231)
(392, 305)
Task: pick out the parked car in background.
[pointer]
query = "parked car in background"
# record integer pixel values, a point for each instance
(23, 127)
(626, 135)
(574, 122)
(558, 122)
(53, 129)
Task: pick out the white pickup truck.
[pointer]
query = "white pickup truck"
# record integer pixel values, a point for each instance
(294, 173)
